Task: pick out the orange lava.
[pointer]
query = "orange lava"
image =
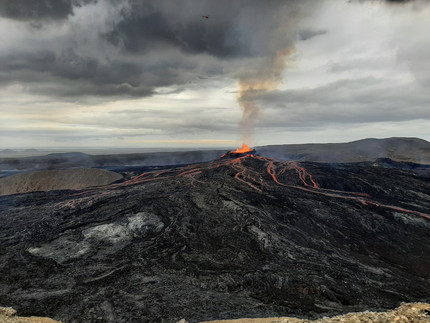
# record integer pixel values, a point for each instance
(242, 150)
(253, 178)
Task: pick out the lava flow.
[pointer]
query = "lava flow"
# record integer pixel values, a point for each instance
(259, 177)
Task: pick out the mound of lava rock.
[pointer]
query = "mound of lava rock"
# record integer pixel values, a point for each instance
(68, 179)
(237, 237)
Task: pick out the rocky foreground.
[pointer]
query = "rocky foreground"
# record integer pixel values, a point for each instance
(237, 237)
(8, 315)
(406, 313)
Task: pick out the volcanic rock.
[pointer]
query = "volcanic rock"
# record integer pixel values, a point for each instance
(57, 161)
(243, 237)
(233, 154)
(76, 178)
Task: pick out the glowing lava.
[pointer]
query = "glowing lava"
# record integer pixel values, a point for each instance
(242, 150)
(255, 178)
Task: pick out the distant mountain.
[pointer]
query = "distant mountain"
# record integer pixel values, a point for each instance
(77, 159)
(67, 155)
(7, 151)
(399, 149)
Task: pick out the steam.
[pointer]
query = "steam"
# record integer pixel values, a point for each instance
(265, 78)
(266, 74)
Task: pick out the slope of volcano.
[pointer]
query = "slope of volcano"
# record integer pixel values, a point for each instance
(236, 237)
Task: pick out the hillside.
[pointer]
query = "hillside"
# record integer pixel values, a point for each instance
(399, 149)
(237, 237)
(76, 159)
(69, 179)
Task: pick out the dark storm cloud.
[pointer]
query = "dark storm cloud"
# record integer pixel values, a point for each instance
(79, 75)
(130, 48)
(180, 24)
(35, 9)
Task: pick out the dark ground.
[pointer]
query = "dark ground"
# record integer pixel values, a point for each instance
(232, 238)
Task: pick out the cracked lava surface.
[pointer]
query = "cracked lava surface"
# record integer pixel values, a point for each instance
(254, 179)
(239, 236)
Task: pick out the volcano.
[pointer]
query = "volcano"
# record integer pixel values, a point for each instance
(244, 236)
(240, 152)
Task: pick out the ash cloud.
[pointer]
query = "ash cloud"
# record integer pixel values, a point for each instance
(130, 48)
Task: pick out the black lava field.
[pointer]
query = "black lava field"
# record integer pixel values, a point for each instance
(242, 236)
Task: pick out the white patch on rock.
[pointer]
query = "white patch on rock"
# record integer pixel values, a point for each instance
(261, 235)
(66, 247)
(142, 223)
(61, 249)
(136, 225)
(112, 232)
(230, 205)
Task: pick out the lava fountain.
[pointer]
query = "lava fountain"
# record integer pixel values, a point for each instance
(245, 151)
(242, 150)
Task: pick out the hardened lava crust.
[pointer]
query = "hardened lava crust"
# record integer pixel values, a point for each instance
(237, 237)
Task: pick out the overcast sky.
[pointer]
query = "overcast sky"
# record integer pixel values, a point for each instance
(156, 73)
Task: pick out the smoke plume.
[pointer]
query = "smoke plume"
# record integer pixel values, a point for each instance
(266, 77)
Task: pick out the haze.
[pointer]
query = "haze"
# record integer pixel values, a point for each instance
(144, 74)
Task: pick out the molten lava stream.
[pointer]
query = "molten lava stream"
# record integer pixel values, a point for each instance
(249, 177)
(190, 171)
(271, 169)
(193, 179)
(302, 174)
(242, 171)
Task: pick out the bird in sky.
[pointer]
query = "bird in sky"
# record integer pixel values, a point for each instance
(207, 17)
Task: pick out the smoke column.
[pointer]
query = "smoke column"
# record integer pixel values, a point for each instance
(265, 78)
(266, 72)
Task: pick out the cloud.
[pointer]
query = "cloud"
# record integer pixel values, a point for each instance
(131, 48)
(158, 69)
(386, 1)
(35, 9)
(363, 100)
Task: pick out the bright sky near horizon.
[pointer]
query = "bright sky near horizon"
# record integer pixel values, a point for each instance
(109, 73)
